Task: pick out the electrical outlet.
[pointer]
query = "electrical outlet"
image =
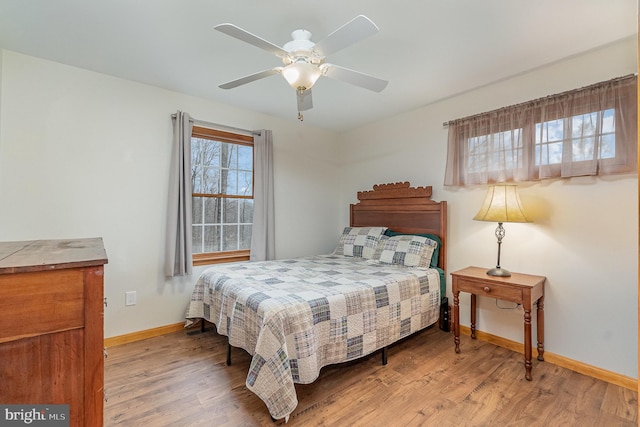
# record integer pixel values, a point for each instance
(130, 298)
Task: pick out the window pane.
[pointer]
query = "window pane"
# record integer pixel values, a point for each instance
(549, 137)
(204, 151)
(477, 150)
(245, 237)
(196, 210)
(196, 148)
(196, 239)
(205, 164)
(549, 154)
(211, 152)
(583, 125)
(550, 131)
(212, 213)
(608, 146)
(608, 121)
(196, 165)
(582, 149)
(230, 241)
(245, 184)
(211, 181)
(246, 211)
(245, 157)
(211, 238)
(228, 156)
(498, 151)
(230, 184)
(196, 181)
(230, 211)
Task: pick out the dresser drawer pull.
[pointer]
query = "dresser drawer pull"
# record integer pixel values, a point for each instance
(487, 289)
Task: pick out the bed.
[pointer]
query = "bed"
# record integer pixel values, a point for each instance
(384, 282)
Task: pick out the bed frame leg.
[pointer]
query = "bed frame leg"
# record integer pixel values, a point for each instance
(228, 354)
(201, 331)
(384, 355)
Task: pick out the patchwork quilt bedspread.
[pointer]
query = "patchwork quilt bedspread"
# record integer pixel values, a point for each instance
(295, 316)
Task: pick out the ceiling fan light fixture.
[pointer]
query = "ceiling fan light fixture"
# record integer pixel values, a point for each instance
(301, 75)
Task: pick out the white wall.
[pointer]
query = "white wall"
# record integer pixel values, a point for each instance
(84, 154)
(584, 234)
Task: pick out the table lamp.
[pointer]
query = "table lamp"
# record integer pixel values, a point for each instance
(502, 204)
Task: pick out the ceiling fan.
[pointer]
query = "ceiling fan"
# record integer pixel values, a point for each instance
(304, 60)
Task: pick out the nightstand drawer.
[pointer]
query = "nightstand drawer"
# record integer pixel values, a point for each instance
(492, 290)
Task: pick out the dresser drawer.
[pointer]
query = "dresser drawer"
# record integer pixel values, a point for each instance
(37, 303)
(492, 290)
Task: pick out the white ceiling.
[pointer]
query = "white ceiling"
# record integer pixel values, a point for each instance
(428, 50)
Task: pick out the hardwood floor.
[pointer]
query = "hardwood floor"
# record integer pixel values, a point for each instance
(182, 380)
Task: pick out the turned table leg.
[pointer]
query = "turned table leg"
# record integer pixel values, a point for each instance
(540, 315)
(456, 320)
(473, 316)
(527, 342)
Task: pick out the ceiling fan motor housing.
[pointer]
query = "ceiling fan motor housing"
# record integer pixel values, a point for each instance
(301, 49)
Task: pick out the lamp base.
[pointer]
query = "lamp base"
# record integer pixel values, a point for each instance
(498, 272)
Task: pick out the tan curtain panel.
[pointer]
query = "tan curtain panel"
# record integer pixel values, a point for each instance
(587, 131)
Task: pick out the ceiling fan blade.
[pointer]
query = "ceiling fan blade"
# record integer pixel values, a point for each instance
(359, 28)
(250, 78)
(247, 37)
(354, 77)
(305, 102)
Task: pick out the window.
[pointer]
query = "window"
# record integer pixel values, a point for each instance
(577, 138)
(588, 131)
(222, 203)
(495, 151)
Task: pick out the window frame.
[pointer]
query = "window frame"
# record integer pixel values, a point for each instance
(207, 258)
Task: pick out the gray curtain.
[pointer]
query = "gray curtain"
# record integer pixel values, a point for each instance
(262, 233)
(178, 259)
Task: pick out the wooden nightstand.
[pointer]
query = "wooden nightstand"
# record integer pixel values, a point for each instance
(523, 289)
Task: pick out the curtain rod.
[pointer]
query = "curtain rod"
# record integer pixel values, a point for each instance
(445, 124)
(218, 125)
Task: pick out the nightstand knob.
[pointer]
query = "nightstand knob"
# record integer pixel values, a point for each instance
(487, 289)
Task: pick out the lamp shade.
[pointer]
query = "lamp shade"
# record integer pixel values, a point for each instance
(301, 75)
(502, 204)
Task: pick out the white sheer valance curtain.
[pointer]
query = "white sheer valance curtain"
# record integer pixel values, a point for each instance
(587, 131)
(178, 256)
(263, 229)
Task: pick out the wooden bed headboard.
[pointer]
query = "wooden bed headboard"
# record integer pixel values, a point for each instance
(402, 208)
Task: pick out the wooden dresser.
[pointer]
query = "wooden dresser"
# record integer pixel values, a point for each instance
(51, 326)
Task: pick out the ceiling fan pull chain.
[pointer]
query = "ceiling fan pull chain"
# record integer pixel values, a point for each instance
(300, 116)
